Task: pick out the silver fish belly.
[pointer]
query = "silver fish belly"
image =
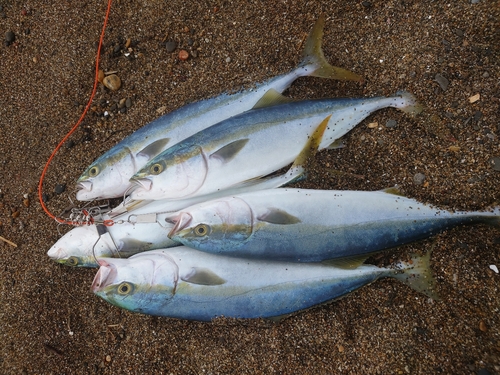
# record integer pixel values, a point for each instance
(108, 176)
(187, 284)
(313, 225)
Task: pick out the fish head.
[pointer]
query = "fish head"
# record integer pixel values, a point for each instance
(143, 283)
(215, 224)
(176, 174)
(107, 177)
(80, 247)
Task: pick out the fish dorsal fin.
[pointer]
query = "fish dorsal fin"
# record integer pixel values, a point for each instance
(202, 276)
(394, 191)
(154, 148)
(277, 216)
(270, 98)
(312, 144)
(347, 263)
(314, 53)
(229, 151)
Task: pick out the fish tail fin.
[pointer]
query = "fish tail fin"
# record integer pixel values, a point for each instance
(313, 57)
(407, 102)
(417, 274)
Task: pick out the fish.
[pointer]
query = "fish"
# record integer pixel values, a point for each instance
(108, 176)
(184, 283)
(254, 144)
(303, 225)
(144, 225)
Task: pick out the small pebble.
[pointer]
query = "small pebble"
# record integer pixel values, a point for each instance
(45, 198)
(482, 326)
(442, 81)
(366, 4)
(59, 189)
(128, 42)
(474, 98)
(459, 32)
(128, 103)
(9, 37)
(26, 202)
(478, 115)
(183, 55)
(123, 110)
(391, 123)
(372, 125)
(108, 358)
(171, 46)
(121, 103)
(419, 178)
(100, 75)
(495, 163)
(112, 82)
(486, 75)
(494, 268)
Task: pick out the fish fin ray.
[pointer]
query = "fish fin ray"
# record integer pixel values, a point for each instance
(203, 276)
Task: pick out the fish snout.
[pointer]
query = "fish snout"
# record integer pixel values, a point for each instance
(56, 253)
(180, 222)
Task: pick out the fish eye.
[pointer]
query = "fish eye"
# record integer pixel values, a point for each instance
(156, 169)
(72, 261)
(201, 230)
(94, 171)
(125, 288)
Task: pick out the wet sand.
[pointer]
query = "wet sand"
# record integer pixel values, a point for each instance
(51, 323)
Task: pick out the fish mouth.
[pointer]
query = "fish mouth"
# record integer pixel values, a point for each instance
(84, 185)
(181, 222)
(144, 183)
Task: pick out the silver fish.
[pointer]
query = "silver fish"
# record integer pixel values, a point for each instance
(313, 225)
(108, 176)
(188, 284)
(254, 144)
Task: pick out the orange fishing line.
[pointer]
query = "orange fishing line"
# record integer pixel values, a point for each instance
(96, 82)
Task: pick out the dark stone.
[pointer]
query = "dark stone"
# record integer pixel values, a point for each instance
(171, 46)
(10, 37)
(60, 188)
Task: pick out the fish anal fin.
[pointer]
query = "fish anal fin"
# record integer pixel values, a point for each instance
(277, 216)
(229, 151)
(270, 98)
(394, 191)
(202, 276)
(154, 148)
(347, 263)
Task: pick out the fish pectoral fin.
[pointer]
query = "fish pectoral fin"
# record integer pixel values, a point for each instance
(270, 98)
(154, 148)
(277, 216)
(347, 263)
(229, 151)
(130, 245)
(202, 276)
